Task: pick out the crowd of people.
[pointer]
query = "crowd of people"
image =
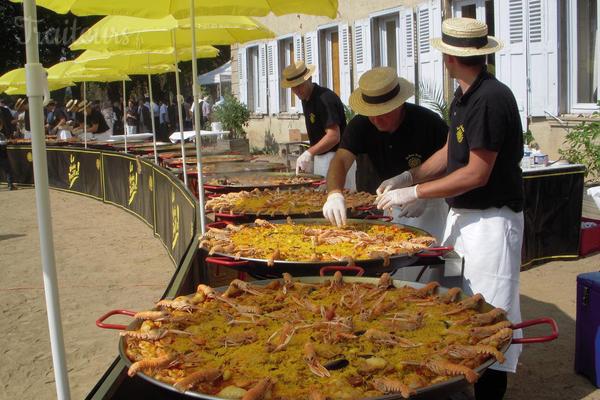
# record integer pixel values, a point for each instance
(103, 119)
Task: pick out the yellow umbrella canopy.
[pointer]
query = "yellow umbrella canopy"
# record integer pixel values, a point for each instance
(132, 61)
(70, 70)
(22, 89)
(181, 8)
(14, 82)
(123, 33)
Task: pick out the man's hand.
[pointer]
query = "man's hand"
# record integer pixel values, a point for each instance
(397, 182)
(303, 162)
(414, 209)
(335, 209)
(397, 197)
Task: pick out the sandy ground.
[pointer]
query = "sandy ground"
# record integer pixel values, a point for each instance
(108, 259)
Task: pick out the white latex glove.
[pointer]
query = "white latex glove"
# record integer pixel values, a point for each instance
(397, 197)
(396, 182)
(335, 209)
(414, 209)
(303, 162)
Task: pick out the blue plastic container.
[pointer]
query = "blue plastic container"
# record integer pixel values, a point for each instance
(587, 337)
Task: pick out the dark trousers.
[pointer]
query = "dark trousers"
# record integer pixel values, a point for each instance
(163, 132)
(5, 165)
(491, 385)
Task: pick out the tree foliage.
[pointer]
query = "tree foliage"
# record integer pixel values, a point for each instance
(233, 115)
(583, 143)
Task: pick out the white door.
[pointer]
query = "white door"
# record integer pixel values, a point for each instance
(511, 61)
(362, 47)
(469, 9)
(407, 46)
(262, 79)
(430, 61)
(273, 76)
(243, 83)
(311, 48)
(345, 63)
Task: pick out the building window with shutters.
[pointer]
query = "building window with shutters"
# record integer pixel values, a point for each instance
(287, 55)
(386, 41)
(329, 68)
(584, 69)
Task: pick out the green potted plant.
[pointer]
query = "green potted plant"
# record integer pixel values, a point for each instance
(234, 117)
(583, 147)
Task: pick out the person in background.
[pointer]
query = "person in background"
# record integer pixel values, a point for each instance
(22, 107)
(55, 118)
(164, 122)
(324, 117)
(206, 112)
(7, 118)
(96, 124)
(478, 173)
(187, 114)
(396, 136)
(4, 161)
(109, 115)
(131, 118)
(118, 125)
(144, 121)
(193, 110)
(155, 110)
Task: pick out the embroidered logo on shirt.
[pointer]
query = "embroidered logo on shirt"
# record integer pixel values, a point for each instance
(414, 160)
(460, 133)
(313, 118)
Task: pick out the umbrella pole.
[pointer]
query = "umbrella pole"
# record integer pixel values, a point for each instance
(152, 118)
(197, 120)
(35, 77)
(84, 117)
(125, 116)
(179, 112)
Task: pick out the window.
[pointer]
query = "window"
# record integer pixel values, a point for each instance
(385, 41)
(253, 91)
(329, 68)
(287, 100)
(584, 54)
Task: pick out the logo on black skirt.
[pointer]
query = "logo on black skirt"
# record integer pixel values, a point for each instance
(74, 166)
(133, 183)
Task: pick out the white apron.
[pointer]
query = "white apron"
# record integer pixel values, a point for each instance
(104, 135)
(433, 219)
(321, 166)
(490, 242)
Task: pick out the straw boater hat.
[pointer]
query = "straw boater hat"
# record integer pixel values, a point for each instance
(19, 103)
(81, 106)
(466, 37)
(72, 106)
(296, 73)
(69, 104)
(380, 91)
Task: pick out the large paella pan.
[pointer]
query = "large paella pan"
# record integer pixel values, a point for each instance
(228, 182)
(348, 338)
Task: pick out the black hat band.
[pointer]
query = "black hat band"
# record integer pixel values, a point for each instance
(297, 76)
(477, 42)
(382, 98)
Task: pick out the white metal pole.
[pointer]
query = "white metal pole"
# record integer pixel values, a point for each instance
(84, 116)
(201, 212)
(124, 115)
(35, 83)
(152, 118)
(179, 112)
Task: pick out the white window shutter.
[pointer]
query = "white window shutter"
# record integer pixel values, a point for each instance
(430, 61)
(362, 46)
(543, 51)
(242, 73)
(511, 61)
(407, 45)
(311, 47)
(298, 49)
(262, 79)
(345, 63)
(273, 76)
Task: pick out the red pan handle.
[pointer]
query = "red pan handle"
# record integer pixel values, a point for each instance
(212, 188)
(226, 262)
(100, 321)
(435, 251)
(228, 216)
(218, 224)
(365, 208)
(359, 270)
(540, 339)
(319, 183)
(385, 218)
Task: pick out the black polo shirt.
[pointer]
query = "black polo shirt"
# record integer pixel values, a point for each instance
(487, 117)
(96, 117)
(421, 134)
(323, 109)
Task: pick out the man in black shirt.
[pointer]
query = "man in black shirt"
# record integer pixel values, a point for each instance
(324, 117)
(478, 173)
(396, 136)
(96, 123)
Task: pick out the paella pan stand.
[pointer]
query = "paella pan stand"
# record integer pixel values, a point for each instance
(258, 268)
(144, 386)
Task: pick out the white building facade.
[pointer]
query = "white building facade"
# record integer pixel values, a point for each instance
(550, 58)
